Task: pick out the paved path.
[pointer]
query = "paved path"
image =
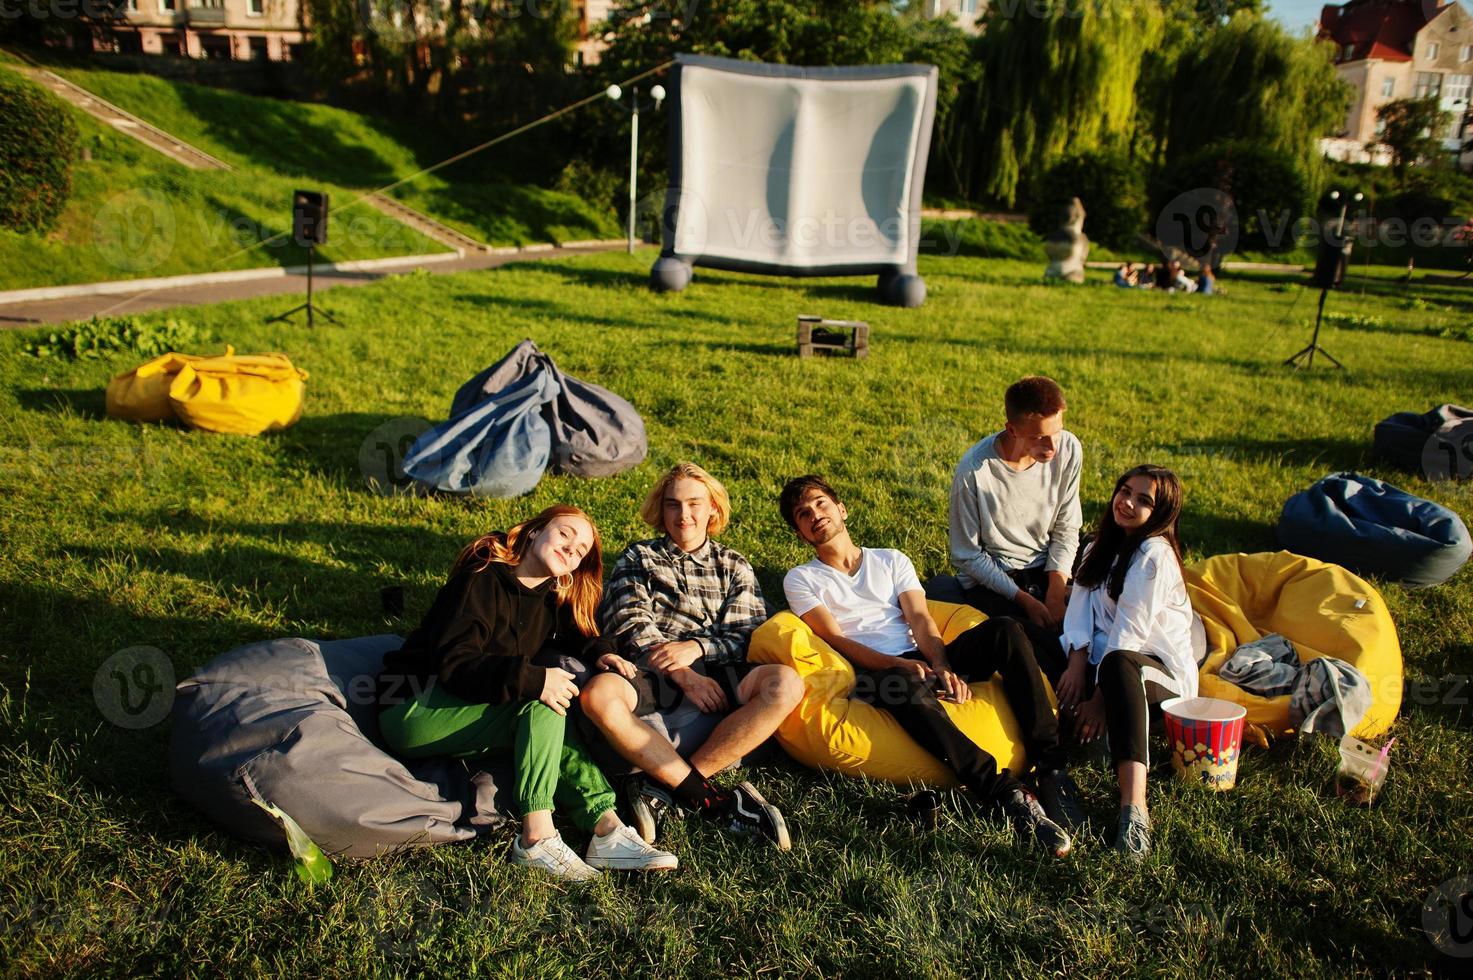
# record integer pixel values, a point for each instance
(292, 289)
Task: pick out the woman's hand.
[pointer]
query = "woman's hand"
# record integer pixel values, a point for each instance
(616, 664)
(674, 655)
(703, 692)
(1089, 723)
(1071, 685)
(558, 690)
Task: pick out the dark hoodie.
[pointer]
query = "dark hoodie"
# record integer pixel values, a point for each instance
(479, 638)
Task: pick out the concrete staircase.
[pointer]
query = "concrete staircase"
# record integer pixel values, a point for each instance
(425, 225)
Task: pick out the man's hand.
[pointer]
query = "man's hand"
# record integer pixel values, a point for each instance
(956, 688)
(616, 664)
(913, 667)
(558, 690)
(1037, 612)
(703, 692)
(674, 655)
(1056, 599)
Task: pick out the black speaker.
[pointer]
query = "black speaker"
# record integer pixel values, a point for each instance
(309, 218)
(1329, 265)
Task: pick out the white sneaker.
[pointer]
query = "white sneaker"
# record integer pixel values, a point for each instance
(550, 854)
(624, 850)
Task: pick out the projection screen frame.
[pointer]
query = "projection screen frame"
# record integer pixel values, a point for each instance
(894, 277)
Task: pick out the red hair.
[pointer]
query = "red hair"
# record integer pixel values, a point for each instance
(582, 588)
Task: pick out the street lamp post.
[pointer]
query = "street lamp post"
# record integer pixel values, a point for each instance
(616, 94)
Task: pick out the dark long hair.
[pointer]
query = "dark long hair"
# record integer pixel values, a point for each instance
(1109, 555)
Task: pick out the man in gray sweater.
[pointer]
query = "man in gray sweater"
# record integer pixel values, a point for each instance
(1015, 516)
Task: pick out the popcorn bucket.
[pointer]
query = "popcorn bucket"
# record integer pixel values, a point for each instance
(1206, 738)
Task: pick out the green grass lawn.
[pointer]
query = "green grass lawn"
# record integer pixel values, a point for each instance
(119, 535)
(317, 143)
(134, 213)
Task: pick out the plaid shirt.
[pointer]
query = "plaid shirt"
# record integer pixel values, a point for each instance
(658, 593)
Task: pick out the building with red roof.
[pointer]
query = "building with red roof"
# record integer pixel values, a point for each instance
(1397, 49)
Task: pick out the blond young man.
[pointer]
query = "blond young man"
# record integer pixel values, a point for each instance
(681, 609)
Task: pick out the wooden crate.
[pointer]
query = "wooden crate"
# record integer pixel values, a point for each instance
(818, 337)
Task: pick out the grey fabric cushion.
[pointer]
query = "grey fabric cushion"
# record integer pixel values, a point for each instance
(292, 722)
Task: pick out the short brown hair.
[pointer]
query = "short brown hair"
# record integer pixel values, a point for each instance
(1035, 395)
(652, 511)
(794, 490)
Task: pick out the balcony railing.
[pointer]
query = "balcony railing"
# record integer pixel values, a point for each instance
(207, 13)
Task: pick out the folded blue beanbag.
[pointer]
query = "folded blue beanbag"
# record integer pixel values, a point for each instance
(1371, 527)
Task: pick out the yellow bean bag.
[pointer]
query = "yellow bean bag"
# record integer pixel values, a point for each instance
(142, 394)
(1243, 597)
(828, 731)
(244, 394)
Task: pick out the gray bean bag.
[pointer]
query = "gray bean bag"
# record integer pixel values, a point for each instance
(1434, 443)
(292, 722)
(1371, 527)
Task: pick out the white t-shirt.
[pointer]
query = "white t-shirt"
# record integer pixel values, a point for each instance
(866, 605)
(1153, 616)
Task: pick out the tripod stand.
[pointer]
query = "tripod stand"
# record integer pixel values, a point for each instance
(1314, 343)
(311, 254)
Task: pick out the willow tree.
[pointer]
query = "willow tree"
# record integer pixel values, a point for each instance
(1058, 76)
(1252, 80)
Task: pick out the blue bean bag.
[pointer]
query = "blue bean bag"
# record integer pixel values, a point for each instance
(1371, 527)
(1430, 442)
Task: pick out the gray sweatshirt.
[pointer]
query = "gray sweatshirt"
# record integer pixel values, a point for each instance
(1003, 520)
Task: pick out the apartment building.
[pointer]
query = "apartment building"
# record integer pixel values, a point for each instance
(1398, 49)
(968, 13)
(246, 30)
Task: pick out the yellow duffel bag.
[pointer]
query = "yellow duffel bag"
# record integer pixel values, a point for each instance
(1324, 610)
(246, 394)
(142, 394)
(829, 731)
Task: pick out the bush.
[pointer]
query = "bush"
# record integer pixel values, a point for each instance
(1111, 189)
(38, 142)
(1268, 188)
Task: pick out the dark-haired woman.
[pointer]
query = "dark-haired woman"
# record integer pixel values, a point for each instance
(474, 680)
(1131, 635)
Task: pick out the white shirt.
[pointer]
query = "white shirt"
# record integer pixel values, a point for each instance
(866, 605)
(1153, 615)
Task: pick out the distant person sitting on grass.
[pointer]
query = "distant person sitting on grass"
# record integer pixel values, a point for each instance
(683, 608)
(1125, 275)
(867, 604)
(1206, 278)
(1180, 281)
(1147, 278)
(470, 681)
(1132, 636)
(1013, 527)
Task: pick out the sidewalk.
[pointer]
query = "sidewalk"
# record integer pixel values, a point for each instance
(38, 312)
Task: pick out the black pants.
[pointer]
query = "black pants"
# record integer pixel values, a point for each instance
(1131, 683)
(996, 647)
(1046, 647)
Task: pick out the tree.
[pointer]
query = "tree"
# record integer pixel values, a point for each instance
(1252, 80)
(1058, 76)
(1110, 187)
(1266, 185)
(1412, 130)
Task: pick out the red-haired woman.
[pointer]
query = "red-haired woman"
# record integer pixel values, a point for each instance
(470, 682)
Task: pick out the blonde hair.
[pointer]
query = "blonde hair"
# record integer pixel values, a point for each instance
(580, 589)
(651, 511)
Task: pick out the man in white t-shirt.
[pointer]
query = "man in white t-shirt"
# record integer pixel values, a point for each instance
(867, 604)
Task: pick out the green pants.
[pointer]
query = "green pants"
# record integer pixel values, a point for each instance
(552, 764)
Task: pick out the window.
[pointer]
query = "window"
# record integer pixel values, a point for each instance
(1433, 48)
(1457, 87)
(1380, 128)
(1347, 52)
(166, 5)
(256, 7)
(1465, 53)
(1429, 85)
(969, 6)
(1388, 87)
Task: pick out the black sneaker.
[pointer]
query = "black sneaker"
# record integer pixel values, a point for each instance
(1059, 796)
(925, 808)
(1026, 815)
(749, 813)
(649, 803)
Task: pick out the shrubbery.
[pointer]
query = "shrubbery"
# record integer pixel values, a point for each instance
(1269, 189)
(38, 142)
(1110, 188)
